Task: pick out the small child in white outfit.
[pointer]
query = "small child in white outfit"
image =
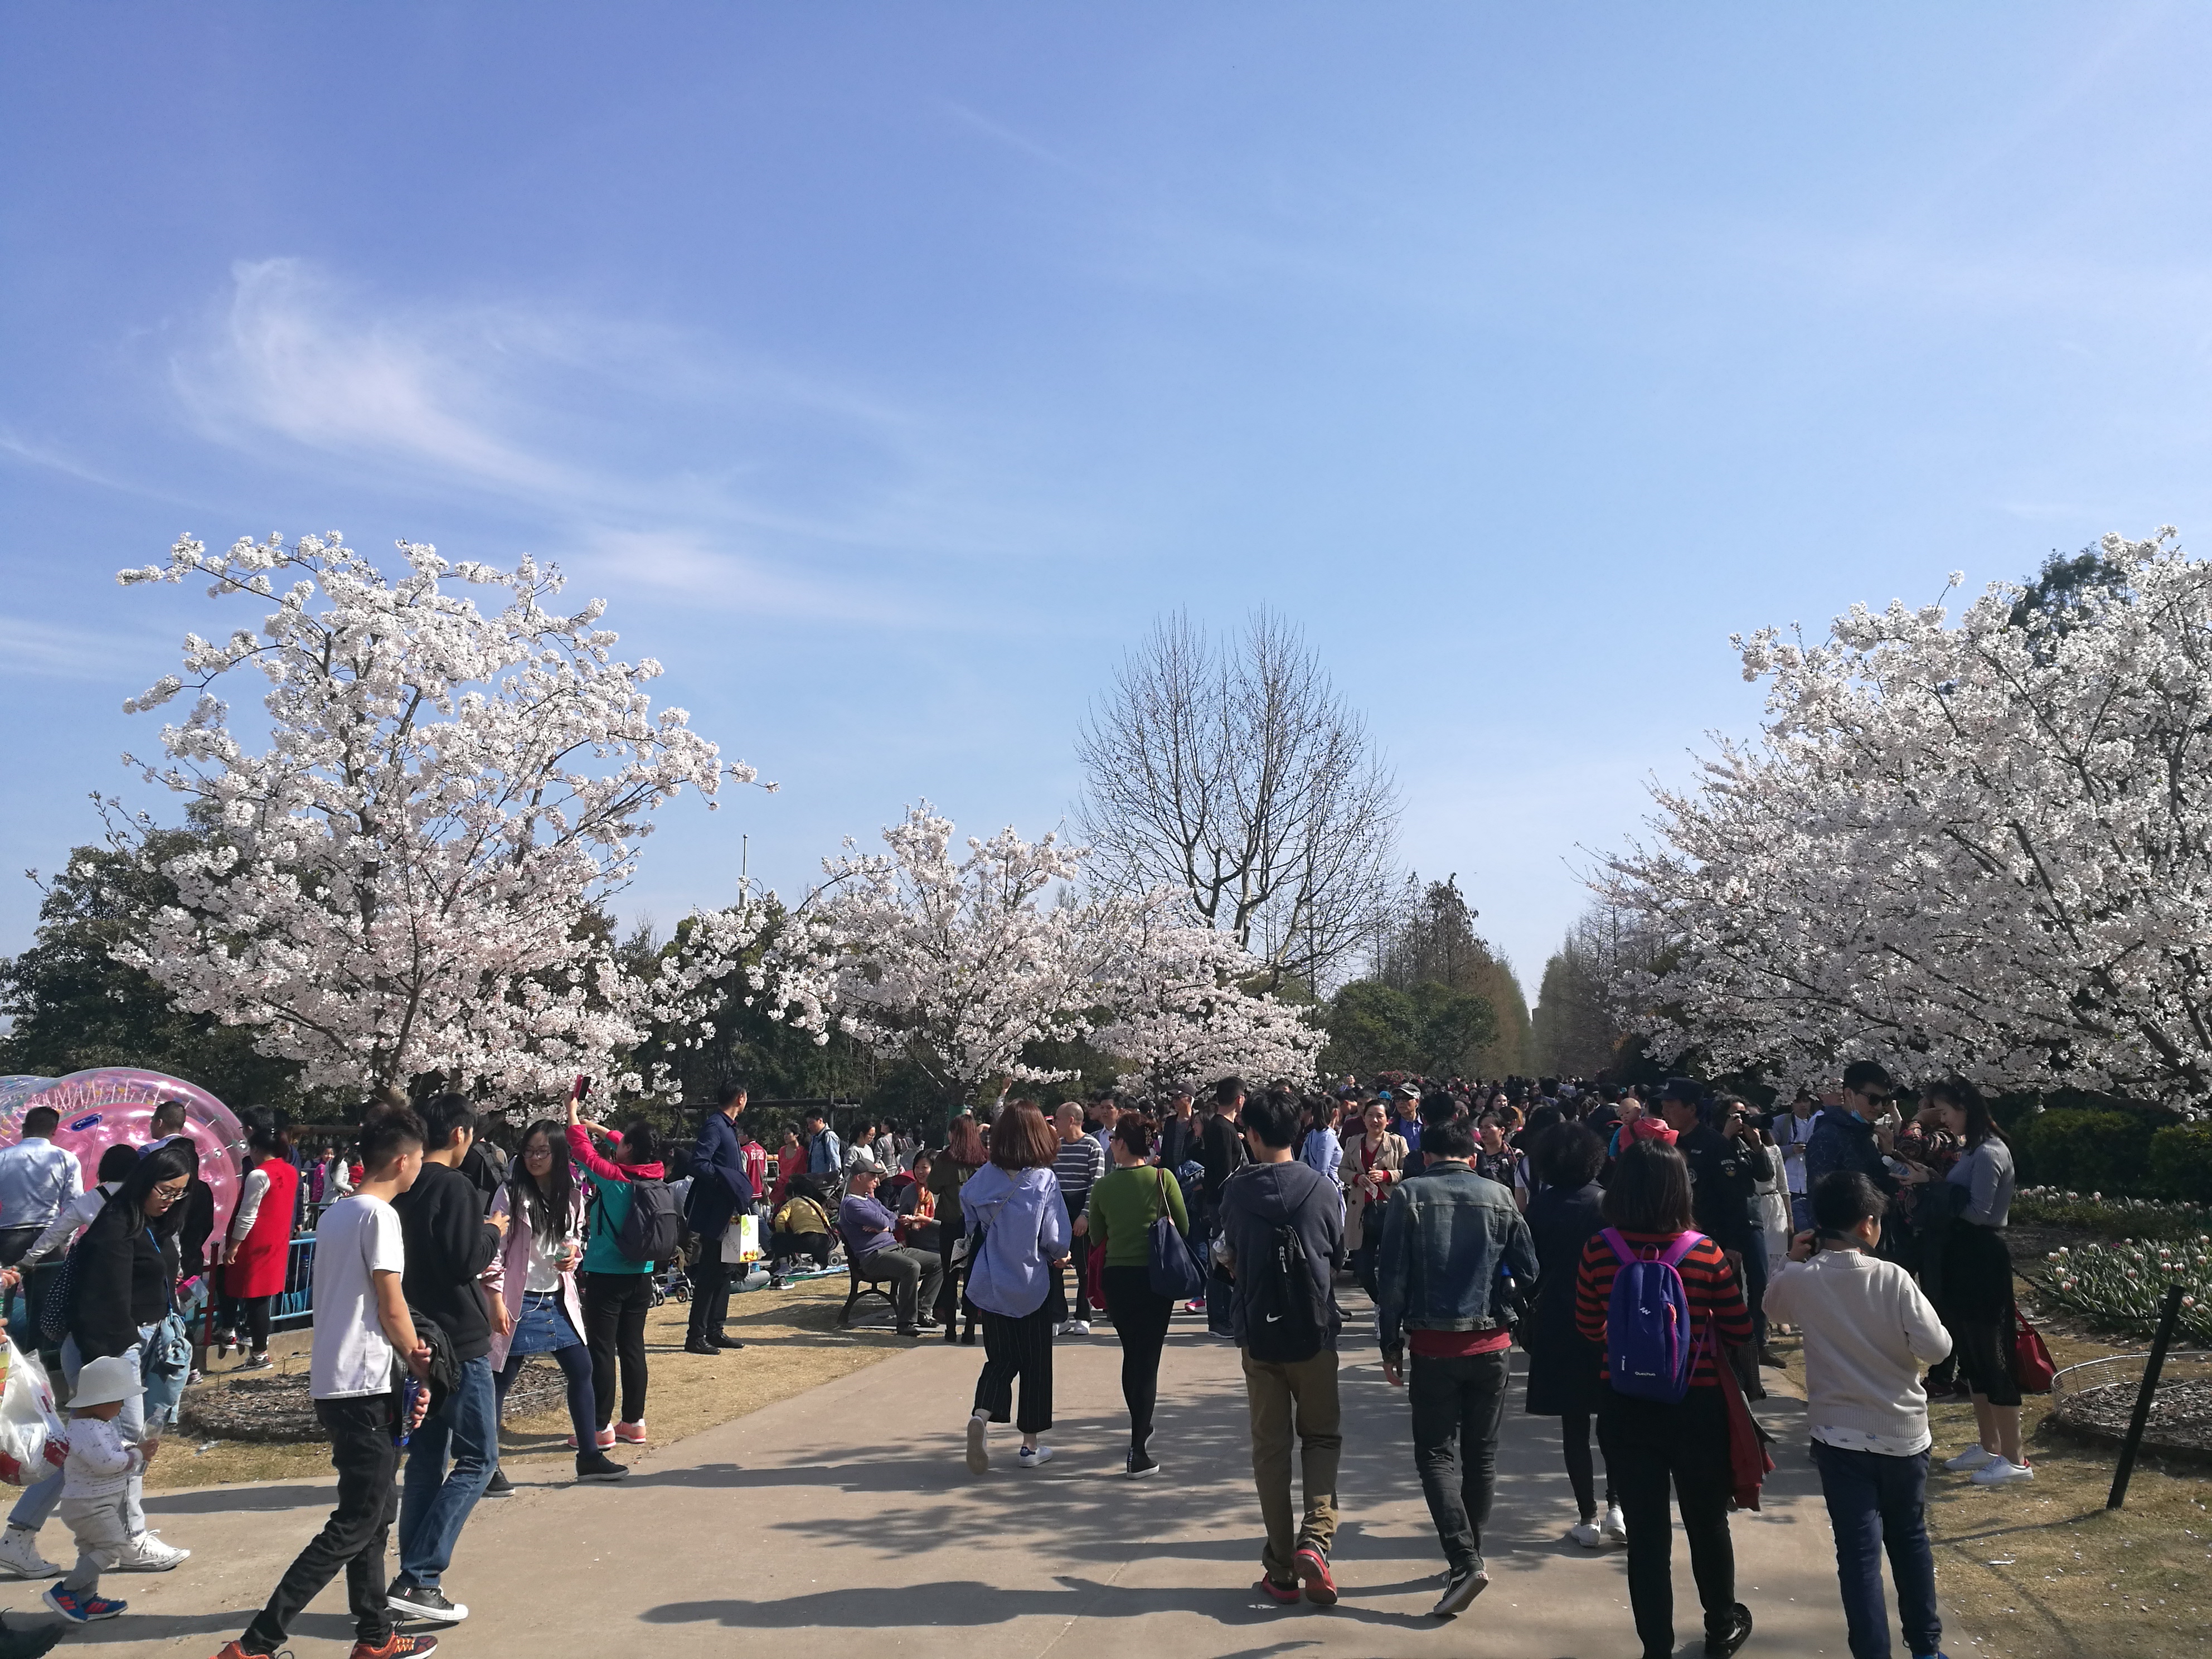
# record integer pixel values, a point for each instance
(95, 1484)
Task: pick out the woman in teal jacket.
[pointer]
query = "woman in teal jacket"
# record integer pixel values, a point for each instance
(617, 1291)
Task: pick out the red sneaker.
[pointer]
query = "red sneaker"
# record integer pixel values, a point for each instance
(396, 1646)
(1312, 1569)
(1285, 1594)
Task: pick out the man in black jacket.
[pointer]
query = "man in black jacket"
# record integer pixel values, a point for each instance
(720, 1194)
(1221, 1149)
(449, 1244)
(1727, 1163)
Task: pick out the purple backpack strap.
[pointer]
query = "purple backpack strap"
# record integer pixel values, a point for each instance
(1618, 1245)
(1680, 1247)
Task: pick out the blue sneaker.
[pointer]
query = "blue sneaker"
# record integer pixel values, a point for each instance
(81, 1609)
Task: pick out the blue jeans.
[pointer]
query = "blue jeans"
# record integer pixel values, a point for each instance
(36, 1506)
(435, 1502)
(1878, 1503)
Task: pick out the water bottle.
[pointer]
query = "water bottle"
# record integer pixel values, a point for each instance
(409, 1394)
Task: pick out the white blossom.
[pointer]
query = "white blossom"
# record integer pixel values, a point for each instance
(405, 879)
(1984, 845)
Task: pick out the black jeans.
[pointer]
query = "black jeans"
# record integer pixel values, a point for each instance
(614, 1306)
(1140, 1316)
(1017, 1347)
(1647, 1447)
(353, 1537)
(1458, 1407)
(249, 1318)
(710, 1292)
(1582, 1472)
(787, 1246)
(1079, 1258)
(1878, 1503)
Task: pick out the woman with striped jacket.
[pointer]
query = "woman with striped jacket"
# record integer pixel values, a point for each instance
(1650, 1445)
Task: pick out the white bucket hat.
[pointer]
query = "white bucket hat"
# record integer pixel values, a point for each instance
(107, 1380)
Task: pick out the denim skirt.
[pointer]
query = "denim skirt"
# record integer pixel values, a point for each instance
(543, 1326)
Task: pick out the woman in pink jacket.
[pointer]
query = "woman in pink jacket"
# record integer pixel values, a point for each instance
(534, 1278)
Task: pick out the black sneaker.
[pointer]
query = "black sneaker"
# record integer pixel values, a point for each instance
(700, 1345)
(1738, 1632)
(1142, 1463)
(929, 1321)
(415, 1602)
(721, 1340)
(499, 1486)
(1460, 1591)
(596, 1465)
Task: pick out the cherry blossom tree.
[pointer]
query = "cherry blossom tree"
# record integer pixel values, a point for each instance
(959, 965)
(956, 964)
(1180, 1013)
(1984, 845)
(408, 878)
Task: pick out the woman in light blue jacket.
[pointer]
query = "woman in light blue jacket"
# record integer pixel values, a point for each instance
(1013, 1203)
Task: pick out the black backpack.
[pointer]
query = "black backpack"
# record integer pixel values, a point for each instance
(647, 1233)
(1285, 1322)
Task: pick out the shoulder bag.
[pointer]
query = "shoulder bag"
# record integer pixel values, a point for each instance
(1173, 1271)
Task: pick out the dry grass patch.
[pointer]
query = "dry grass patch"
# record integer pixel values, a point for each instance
(792, 1343)
(2044, 1569)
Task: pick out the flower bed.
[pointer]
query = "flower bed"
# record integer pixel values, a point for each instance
(2113, 1218)
(2121, 1284)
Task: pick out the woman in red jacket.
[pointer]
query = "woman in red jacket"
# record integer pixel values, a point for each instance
(258, 1245)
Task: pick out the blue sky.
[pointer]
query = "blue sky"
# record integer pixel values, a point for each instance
(889, 368)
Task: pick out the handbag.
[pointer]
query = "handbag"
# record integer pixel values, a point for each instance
(741, 1240)
(2030, 1361)
(1173, 1272)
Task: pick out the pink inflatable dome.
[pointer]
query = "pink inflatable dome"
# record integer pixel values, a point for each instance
(116, 1104)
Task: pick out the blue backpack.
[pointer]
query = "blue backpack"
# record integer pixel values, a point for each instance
(1649, 1350)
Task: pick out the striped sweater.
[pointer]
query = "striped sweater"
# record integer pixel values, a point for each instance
(1716, 1295)
(1079, 1166)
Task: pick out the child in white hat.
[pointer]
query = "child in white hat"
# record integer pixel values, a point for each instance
(95, 1485)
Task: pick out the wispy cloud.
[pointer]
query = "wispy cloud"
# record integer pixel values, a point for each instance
(51, 651)
(745, 485)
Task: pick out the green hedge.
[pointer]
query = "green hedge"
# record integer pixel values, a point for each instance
(2084, 1151)
(2181, 1162)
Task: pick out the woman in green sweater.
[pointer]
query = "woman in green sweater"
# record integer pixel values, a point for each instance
(1124, 1204)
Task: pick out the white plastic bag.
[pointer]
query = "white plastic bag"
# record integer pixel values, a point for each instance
(27, 1417)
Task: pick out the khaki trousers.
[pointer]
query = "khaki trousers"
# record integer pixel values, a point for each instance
(1297, 1401)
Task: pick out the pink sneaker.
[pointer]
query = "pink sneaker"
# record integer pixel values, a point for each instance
(605, 1440)
(631, 1434)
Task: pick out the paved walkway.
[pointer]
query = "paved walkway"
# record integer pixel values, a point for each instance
(842, 1523)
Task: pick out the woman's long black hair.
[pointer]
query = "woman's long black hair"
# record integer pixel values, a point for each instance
(546, 1210)
(164, 1164)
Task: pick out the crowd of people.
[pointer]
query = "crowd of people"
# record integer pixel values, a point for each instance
(1635, 1241)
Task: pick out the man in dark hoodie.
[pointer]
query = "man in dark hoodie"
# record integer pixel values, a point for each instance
(449, 1244)
(1291, 1397)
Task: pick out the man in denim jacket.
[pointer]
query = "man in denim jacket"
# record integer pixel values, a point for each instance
(1447, 1237)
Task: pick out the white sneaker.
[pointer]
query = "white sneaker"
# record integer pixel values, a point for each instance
(1586, 1533)
(1616, 1525)
(1063, 1327)
(2001, 1471)
(19, 1554)
(147, 1554)
(1077, 1328)
(979, 1449)
(1029, 1456)
(1969, 1460)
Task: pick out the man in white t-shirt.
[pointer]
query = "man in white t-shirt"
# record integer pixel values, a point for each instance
(362, 1329)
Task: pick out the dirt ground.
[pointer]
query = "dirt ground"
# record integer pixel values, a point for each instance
(793, 1343)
